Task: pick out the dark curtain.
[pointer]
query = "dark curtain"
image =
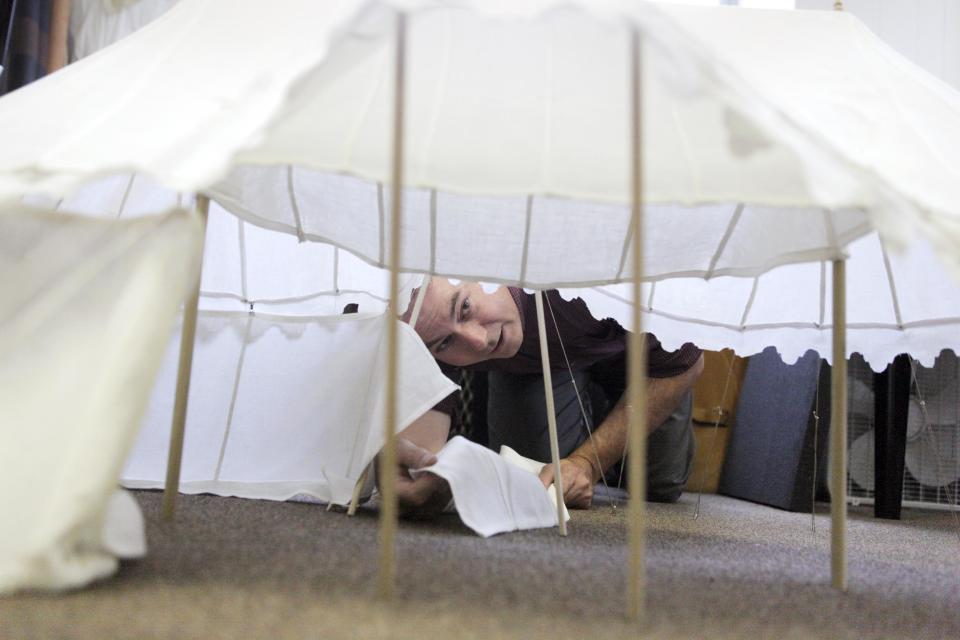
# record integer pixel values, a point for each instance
(26, 41)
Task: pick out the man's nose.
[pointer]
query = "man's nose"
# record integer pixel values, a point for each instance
(475, 336)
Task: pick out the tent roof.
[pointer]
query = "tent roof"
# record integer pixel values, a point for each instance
(528, 102)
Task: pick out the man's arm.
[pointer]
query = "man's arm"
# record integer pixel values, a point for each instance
(583, 468)
(416, 448)
(429, 431)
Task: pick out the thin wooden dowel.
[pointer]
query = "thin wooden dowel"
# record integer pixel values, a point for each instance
(636, 398)
(357, 490)
(185, 368)
(388, 456)
(59, 29)
(838, 431)
(551, 413)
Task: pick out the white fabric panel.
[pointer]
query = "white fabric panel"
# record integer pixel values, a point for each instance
(517, 240)
(85, 310)
(789, 308)
(925, 31)
(242, 263)
(124, 533)
(567, 140)
(281, 406)
(95, 24)
(162, 99)
(126, 195)
(538, 113)
(876, 107)
(535, 467)
(493, 494)
(223, 270)
(278, 266)
(216, 356)
(245, 264)
(896, 303)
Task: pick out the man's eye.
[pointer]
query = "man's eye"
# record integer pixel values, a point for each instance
(443, 344)
(465, 308)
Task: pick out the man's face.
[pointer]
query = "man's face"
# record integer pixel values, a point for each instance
(463, 325)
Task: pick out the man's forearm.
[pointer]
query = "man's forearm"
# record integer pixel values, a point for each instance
(609, 440)
(429, 431)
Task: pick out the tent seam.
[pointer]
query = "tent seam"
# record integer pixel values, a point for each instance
(233, 398)
(728, 232)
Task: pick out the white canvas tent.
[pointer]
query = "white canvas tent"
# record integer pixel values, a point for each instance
(85, 311)
(532, 160)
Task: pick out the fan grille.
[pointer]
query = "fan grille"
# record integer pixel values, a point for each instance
(934, 458)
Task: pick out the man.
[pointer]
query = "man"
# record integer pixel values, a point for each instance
(464, 326)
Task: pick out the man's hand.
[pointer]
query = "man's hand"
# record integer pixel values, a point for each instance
(577, 481)
(425, 495)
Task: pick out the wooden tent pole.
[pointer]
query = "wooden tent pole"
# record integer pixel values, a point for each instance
(838, 422)
(358, 489)
(838, 431)
(636, 398)
(551, 413)
(189, 331)
(59, 30)
(388, 456)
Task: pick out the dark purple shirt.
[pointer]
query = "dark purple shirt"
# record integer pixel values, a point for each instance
(598, 345)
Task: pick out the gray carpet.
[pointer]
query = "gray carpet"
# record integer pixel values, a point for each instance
(233, 568)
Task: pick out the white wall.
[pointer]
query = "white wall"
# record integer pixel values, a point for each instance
(925, 31)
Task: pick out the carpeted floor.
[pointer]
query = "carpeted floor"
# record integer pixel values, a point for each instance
(233, 568)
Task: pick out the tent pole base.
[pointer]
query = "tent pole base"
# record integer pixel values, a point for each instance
(357, 488)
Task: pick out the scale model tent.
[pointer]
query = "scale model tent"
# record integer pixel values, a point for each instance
(526, 164)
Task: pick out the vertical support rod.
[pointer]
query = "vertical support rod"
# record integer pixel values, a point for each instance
(838, 431)
(59, 28)
(551, 412)
(5, 55)
(637, 402)
(357, 490)
(388, 456)
(187, 335)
